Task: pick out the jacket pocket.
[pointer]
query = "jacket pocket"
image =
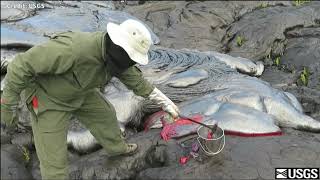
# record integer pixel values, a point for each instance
(88, 78)
(76, 79)
(36, 104)
(82, 76)
(28, 102)
(31, 110)
(61, 34)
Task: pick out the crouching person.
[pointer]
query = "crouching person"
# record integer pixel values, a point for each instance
(62, 77)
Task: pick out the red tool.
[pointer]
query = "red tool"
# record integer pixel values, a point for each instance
(213, 129)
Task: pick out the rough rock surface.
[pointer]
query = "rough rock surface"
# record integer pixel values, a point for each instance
(245, 158)
(242, 158)
(195, 25)
(13, 163)
(303, 47)
(86, 16)
(12, 11)
(266, 30)
(263, 31)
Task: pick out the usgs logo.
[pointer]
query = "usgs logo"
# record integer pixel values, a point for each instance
(297, 173)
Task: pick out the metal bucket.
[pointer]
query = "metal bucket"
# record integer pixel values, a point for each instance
(214, 145)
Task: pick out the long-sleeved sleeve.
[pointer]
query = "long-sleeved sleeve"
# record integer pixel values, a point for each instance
(51, 58)
(134, 80)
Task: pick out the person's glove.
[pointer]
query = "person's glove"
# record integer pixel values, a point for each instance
(9, 117)
(166, 104)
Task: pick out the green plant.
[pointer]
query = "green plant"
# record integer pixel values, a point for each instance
(304, 76)
(277, 61)
(263, 5)
(26, 154)
(300, 2)
(240, 40)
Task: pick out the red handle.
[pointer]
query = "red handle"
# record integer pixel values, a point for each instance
(35, 102)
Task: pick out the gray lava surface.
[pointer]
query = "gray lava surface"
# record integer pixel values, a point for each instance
(258, 30)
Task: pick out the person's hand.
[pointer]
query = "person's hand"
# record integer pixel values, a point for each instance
(6, 126)
(166, 104)
(172, 109)
(9, 118)
(8, 130)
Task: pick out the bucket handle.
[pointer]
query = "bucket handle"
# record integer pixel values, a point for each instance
(212, 153)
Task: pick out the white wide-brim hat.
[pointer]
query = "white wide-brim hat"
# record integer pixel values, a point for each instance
(133, 37)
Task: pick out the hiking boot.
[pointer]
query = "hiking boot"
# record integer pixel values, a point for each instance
(132, 148)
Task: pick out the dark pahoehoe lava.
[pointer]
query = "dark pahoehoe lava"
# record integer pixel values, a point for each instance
(222, 84)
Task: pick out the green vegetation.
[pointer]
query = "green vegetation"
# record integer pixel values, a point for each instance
(277, 61)
(300, 2)
(263, 5)
(304, 76)
(240, 40)
(26, 154)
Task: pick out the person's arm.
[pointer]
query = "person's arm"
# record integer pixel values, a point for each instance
(49, 58)
(167, 105)
(134, 80)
